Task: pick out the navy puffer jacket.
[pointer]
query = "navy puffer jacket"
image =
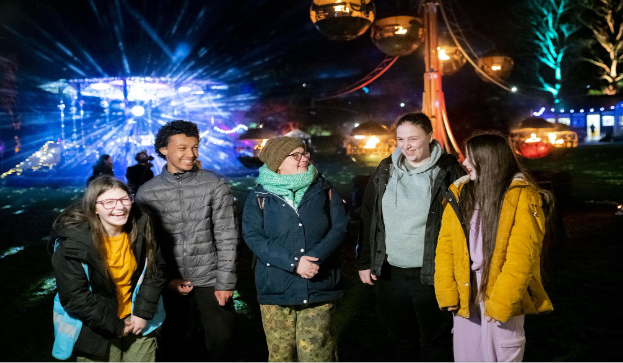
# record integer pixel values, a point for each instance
(279, 235)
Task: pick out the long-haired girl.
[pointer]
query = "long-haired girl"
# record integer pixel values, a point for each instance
(488, 268)
(114, 240)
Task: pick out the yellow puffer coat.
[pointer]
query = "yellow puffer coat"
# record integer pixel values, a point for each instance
(514, 286)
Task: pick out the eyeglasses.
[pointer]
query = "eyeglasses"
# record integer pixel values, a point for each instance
(112, 203)
(298, 156)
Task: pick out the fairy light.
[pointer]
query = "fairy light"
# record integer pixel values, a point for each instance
(45, 159)
(442, 54)
(533, 138)
(400, 30)
(227, 132)
(371, 144)
(539, 113)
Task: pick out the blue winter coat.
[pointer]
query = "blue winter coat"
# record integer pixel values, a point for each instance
(279, 235)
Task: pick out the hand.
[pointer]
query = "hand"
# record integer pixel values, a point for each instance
(491, 320)
(125, 329)
(453, 308)
(307, 268)
(139, 324)
(366, 277)
(180, 286)
(223, 296)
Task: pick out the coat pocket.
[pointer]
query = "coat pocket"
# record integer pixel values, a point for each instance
(512, 350)
(268, 280)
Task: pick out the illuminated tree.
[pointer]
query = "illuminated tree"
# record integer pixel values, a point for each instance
(604, 19)
(552, 27)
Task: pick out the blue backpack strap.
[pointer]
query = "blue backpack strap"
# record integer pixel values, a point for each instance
(66, 328)
(84, 265)
(160, 314)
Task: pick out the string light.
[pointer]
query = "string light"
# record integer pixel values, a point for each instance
(537, 114)
(45, 157)
(227, 132)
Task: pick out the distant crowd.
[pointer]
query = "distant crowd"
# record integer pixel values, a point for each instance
(453, 252)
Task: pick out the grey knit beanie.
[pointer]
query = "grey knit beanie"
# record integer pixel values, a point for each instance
(277, 150)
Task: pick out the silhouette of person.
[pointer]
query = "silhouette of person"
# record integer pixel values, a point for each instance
(103, 166)
(140, 173)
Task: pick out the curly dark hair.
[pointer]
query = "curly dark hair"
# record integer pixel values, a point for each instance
(174, 128)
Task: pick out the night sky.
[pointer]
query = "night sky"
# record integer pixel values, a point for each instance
(270, 52)
(271, 46)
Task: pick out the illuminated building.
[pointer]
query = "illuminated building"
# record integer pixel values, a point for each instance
(120, 116)
(592, 117)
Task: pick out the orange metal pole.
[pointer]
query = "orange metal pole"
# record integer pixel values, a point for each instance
(433, 102)
(432, 78)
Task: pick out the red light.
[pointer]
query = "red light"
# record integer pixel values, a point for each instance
(535, 150)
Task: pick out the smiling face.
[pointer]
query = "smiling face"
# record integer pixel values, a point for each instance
(471, 169)
(114, 219)
(181, 152)
(414, 142)
(291, 166)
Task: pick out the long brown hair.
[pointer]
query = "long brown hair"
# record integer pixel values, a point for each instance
(84, 212)
(496, 165)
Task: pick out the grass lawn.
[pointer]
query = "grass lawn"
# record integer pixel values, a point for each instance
(583, 276)
(588, 172)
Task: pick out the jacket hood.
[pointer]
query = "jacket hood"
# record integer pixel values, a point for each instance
(398, 159)
(518, 180)
(80, 233)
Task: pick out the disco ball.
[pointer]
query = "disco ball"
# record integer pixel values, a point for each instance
(451, 59)
(498, 67)
(397, 35)
(342, 19)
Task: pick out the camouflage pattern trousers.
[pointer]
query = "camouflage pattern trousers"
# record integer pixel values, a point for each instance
(306, 332)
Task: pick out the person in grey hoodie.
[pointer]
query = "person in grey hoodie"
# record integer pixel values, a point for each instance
(400, 222)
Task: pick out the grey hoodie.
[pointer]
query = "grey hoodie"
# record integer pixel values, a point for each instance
(405, 207)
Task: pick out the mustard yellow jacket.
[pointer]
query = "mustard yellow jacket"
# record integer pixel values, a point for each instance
(514, 286)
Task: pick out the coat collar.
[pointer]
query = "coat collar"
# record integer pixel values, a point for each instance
(314, 188)
(167, 175)
(519, 180)
(78, 243)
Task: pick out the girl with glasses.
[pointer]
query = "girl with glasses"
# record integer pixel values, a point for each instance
(118, 301)
(295, 223)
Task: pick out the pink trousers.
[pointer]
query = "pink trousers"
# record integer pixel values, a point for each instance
(476, 340)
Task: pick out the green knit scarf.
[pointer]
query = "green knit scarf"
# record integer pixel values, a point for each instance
(290, 187)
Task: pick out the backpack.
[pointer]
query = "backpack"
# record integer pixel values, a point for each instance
(66, 328)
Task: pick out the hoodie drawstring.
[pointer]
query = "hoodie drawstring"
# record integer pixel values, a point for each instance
(399, 176)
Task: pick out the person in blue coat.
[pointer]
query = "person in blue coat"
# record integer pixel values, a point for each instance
(295, 223)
